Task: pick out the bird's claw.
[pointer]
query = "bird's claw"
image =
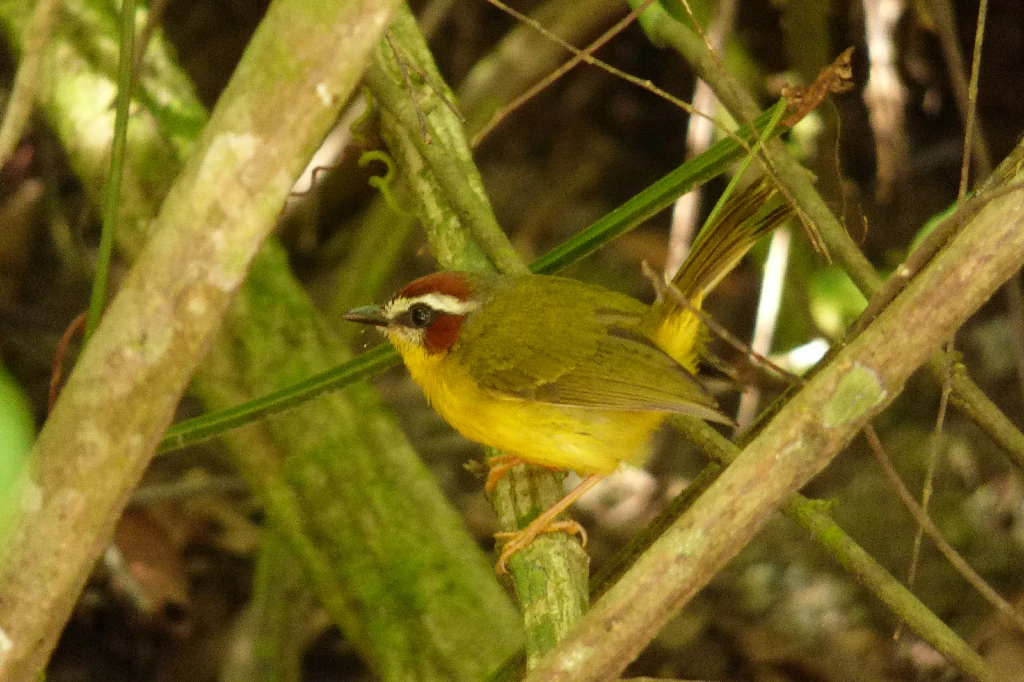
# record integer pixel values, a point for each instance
(521, 539)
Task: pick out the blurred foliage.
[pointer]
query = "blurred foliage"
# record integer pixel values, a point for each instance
(835, 301)
(782, 611)
(17, 431)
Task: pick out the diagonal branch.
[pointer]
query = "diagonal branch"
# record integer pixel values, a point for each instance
(803, 438)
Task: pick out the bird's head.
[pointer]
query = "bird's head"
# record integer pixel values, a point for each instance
(428, 314)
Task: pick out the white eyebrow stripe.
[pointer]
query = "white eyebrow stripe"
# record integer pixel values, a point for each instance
(443, 303)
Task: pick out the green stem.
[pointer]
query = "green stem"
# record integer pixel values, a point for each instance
(112, 201)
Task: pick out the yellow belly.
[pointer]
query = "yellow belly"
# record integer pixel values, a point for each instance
(585, 440)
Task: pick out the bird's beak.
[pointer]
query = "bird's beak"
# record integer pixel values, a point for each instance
(367, 314)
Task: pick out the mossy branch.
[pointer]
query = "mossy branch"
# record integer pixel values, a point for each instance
(124, 391)
(551, 576)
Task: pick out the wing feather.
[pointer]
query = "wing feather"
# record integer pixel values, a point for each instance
(655, 382)
(578, 362)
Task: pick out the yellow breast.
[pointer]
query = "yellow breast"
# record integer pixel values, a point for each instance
(585, 440)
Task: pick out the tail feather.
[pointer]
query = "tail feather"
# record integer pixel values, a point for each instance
(728, 237)
(745, 218)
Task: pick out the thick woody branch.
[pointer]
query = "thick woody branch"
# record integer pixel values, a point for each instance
(795, 446)
(123, 393)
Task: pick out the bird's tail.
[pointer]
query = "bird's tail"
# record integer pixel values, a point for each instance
(745, 218)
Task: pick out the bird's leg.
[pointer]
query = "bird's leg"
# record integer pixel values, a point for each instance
(498, 467)
(501, 465)
(545, 523)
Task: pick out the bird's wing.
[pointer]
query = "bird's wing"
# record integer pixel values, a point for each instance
(597, 360)
(534, 332)
(630, 373)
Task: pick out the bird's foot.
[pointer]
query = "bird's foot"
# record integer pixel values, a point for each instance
(521, 539)
(497, 468)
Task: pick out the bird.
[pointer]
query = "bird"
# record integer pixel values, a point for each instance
(564, 374)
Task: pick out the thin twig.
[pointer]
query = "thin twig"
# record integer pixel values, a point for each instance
(661, 288)
(933, 454)
(76, 326)
(929, 477)
(154, 17)
(921, 516)
(584, 55)
(942, 14)
(698, 137)
(709, 43)
(972, 105)
(400, 61)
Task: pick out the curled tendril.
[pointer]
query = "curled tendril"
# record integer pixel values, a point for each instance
(383, 182)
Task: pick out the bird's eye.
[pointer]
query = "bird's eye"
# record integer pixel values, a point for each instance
(421, 315)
